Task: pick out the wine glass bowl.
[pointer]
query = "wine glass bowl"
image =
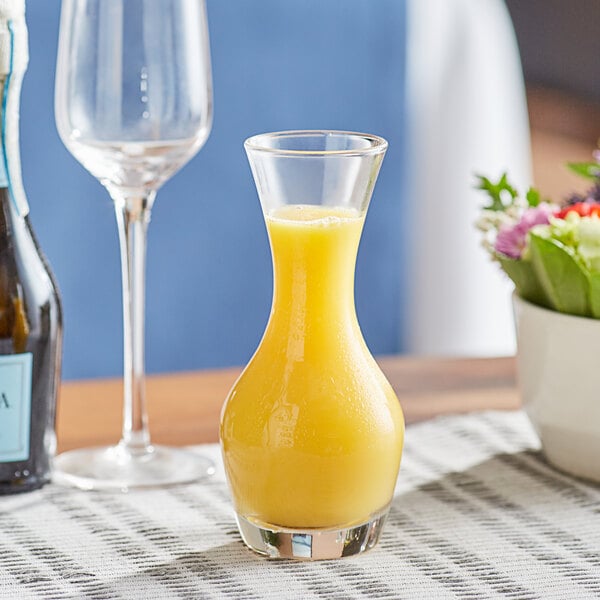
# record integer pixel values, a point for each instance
(133, 87)
(135, 165)
(133, 104)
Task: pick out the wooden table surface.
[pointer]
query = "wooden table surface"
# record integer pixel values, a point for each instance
(184, 407)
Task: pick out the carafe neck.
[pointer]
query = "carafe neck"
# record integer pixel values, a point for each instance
(313, 265)
(315, 287)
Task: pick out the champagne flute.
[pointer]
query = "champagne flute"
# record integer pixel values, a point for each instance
(133, 104)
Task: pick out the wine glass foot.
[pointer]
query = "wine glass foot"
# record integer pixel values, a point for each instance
(115, 468)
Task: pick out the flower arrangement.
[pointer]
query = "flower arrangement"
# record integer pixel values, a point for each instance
(550, 250)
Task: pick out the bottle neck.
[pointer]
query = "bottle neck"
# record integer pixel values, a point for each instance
(7, 215)
(13, 63)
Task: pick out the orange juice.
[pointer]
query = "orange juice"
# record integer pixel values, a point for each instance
(312, 432)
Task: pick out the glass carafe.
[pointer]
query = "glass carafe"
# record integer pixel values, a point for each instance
(312, 431)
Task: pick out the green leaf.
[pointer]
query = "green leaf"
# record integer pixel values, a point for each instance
(533, 197)
(562, 277)
(502, 193)
(594, 279)
(589, 170)
(526, 281)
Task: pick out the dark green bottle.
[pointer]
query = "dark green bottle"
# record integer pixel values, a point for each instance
(30, 310)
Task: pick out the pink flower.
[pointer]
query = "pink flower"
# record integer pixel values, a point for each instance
(512, 239)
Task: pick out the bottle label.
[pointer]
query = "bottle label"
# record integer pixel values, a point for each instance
(15, 406)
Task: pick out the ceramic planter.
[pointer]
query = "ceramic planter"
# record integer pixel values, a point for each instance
(559, 377)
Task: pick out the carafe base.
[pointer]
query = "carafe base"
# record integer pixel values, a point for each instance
(311, 544)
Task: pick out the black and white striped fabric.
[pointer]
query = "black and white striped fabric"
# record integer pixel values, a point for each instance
(477, 514)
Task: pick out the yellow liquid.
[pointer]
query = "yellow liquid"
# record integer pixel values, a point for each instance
(312, 432)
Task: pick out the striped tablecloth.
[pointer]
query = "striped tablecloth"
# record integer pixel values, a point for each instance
(477, 514)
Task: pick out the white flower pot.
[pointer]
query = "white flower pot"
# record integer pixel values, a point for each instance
(558, 363)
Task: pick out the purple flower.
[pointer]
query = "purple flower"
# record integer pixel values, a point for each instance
(512, 239)
(592, 196)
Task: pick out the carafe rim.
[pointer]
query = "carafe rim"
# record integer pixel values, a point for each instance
(268, 143)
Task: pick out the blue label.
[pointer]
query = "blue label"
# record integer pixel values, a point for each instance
(15, 406)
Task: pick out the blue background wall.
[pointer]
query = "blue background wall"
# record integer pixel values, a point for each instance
(276, 65)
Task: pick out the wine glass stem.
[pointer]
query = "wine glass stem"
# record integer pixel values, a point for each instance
(133, 216)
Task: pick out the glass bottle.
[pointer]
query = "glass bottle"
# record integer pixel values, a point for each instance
(30, 310)
(312, 431)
